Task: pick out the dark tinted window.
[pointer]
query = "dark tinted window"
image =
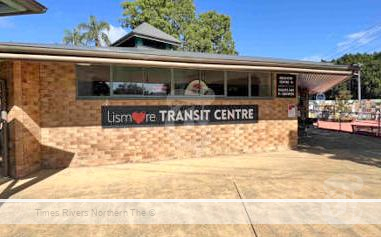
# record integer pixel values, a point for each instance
(93, 80)
(187, 82)
(127, 80)
(157, 82)
(238, 84)
(261, 84)
(214, 81)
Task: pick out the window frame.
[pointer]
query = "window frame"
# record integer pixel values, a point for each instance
(202, 78)
(77, 82)
(174, 82)
(145, 77)
(112, 95)
(272, 82)
(248, 84)
(171, 95)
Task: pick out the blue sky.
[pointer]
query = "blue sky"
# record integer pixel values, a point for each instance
(295, 29)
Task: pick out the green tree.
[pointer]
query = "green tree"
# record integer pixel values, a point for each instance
(170, 16)
(370, 75)
(95, 32)
(342, 99)
(209, 32)
(74, 37)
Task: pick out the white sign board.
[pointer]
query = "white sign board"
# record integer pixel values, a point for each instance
(292, 111)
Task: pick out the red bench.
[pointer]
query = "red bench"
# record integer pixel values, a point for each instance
(366, 128)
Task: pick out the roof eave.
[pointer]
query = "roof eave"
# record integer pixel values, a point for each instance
(122, 40)
(17, 49)
(32, 7)
(133, 34)
(157, 39)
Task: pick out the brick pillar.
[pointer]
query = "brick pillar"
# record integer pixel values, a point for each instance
(23, 119)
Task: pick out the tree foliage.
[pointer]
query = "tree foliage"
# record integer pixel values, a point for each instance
(342, 98)
(208, 32)
(170, 16)
(74, 37)
(370, 75)
(92, 33)
(95, 31)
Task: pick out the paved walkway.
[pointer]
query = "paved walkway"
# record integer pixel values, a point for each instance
(289, 174)
(347, 126)
(343, 146)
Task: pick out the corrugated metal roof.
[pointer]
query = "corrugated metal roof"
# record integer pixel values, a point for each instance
(146, 30)
(18, 7)
(162, 55)
(320, 83)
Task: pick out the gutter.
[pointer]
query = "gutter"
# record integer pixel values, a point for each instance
(155, 56)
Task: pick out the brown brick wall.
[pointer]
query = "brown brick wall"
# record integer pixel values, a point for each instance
(68, 130)
(71, 131)
(30, 99)
(24, 117)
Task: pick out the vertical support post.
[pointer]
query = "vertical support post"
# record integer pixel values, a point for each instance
(359, 88)
(111, 80)
(249, 84)
(226, 83)
(4, 129)
(172, 82)
(379, 123)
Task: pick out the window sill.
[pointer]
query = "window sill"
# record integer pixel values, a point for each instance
(172, 98)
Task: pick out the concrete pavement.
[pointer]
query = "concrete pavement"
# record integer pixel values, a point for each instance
(286, 175)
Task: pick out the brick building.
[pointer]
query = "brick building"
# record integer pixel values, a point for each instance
(142, 100)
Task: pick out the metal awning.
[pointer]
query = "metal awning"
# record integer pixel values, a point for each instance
(320, 83)
(19, 7)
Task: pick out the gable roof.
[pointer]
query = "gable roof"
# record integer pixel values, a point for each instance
(147, 31)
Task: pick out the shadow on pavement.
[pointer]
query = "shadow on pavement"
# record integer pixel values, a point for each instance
(13, 187)
(361, 149)
(3, 180)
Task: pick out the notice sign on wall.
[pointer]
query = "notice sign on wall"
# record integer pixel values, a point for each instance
(134, 116)
(292, 111)
(286, 85)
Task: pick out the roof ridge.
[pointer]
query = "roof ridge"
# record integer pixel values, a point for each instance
(149, 30)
